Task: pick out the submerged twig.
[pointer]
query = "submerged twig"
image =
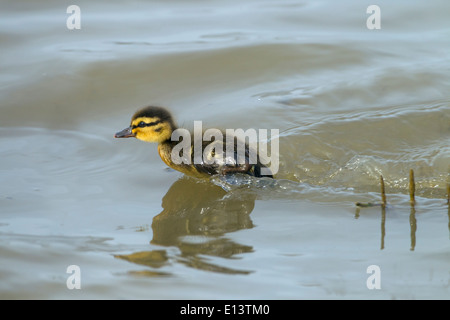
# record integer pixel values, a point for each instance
(448, 193)
(383, 193)
(383, 225)
(412, 193)
(412, 216)
(412, 187)
(367, 205)
(371, 204)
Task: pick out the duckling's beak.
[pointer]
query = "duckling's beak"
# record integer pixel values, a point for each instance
(125, 133)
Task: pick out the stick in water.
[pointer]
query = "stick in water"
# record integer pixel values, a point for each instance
(383, 193)
(448, 193)
(412, 187)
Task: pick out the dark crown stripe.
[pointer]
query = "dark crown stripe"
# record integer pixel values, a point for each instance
(154, 123)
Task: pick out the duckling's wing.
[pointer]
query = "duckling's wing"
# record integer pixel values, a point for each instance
(223, 158)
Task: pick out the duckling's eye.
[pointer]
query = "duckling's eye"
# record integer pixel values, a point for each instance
(144, 124)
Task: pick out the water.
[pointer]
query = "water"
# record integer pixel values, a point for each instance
(351, 104)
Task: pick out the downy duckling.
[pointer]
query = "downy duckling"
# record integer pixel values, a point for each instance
(156, 124)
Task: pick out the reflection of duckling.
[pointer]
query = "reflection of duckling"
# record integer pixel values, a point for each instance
(155, 124)
(213, 214)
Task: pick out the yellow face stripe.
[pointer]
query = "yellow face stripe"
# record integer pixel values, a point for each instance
(151, 129)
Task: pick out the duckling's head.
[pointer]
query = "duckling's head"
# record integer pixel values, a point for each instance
(150, 124)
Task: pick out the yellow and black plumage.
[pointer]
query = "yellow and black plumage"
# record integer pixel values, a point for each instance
(156, 124)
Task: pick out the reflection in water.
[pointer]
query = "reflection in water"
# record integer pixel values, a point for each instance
(154, 259)
(383, 225)
(196, 215)
(412, 223)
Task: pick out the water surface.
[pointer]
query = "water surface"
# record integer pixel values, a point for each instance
(350, 103)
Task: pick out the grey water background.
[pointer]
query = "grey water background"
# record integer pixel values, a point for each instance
(351, 104)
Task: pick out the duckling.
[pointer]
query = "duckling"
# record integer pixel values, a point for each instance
(156, 124)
